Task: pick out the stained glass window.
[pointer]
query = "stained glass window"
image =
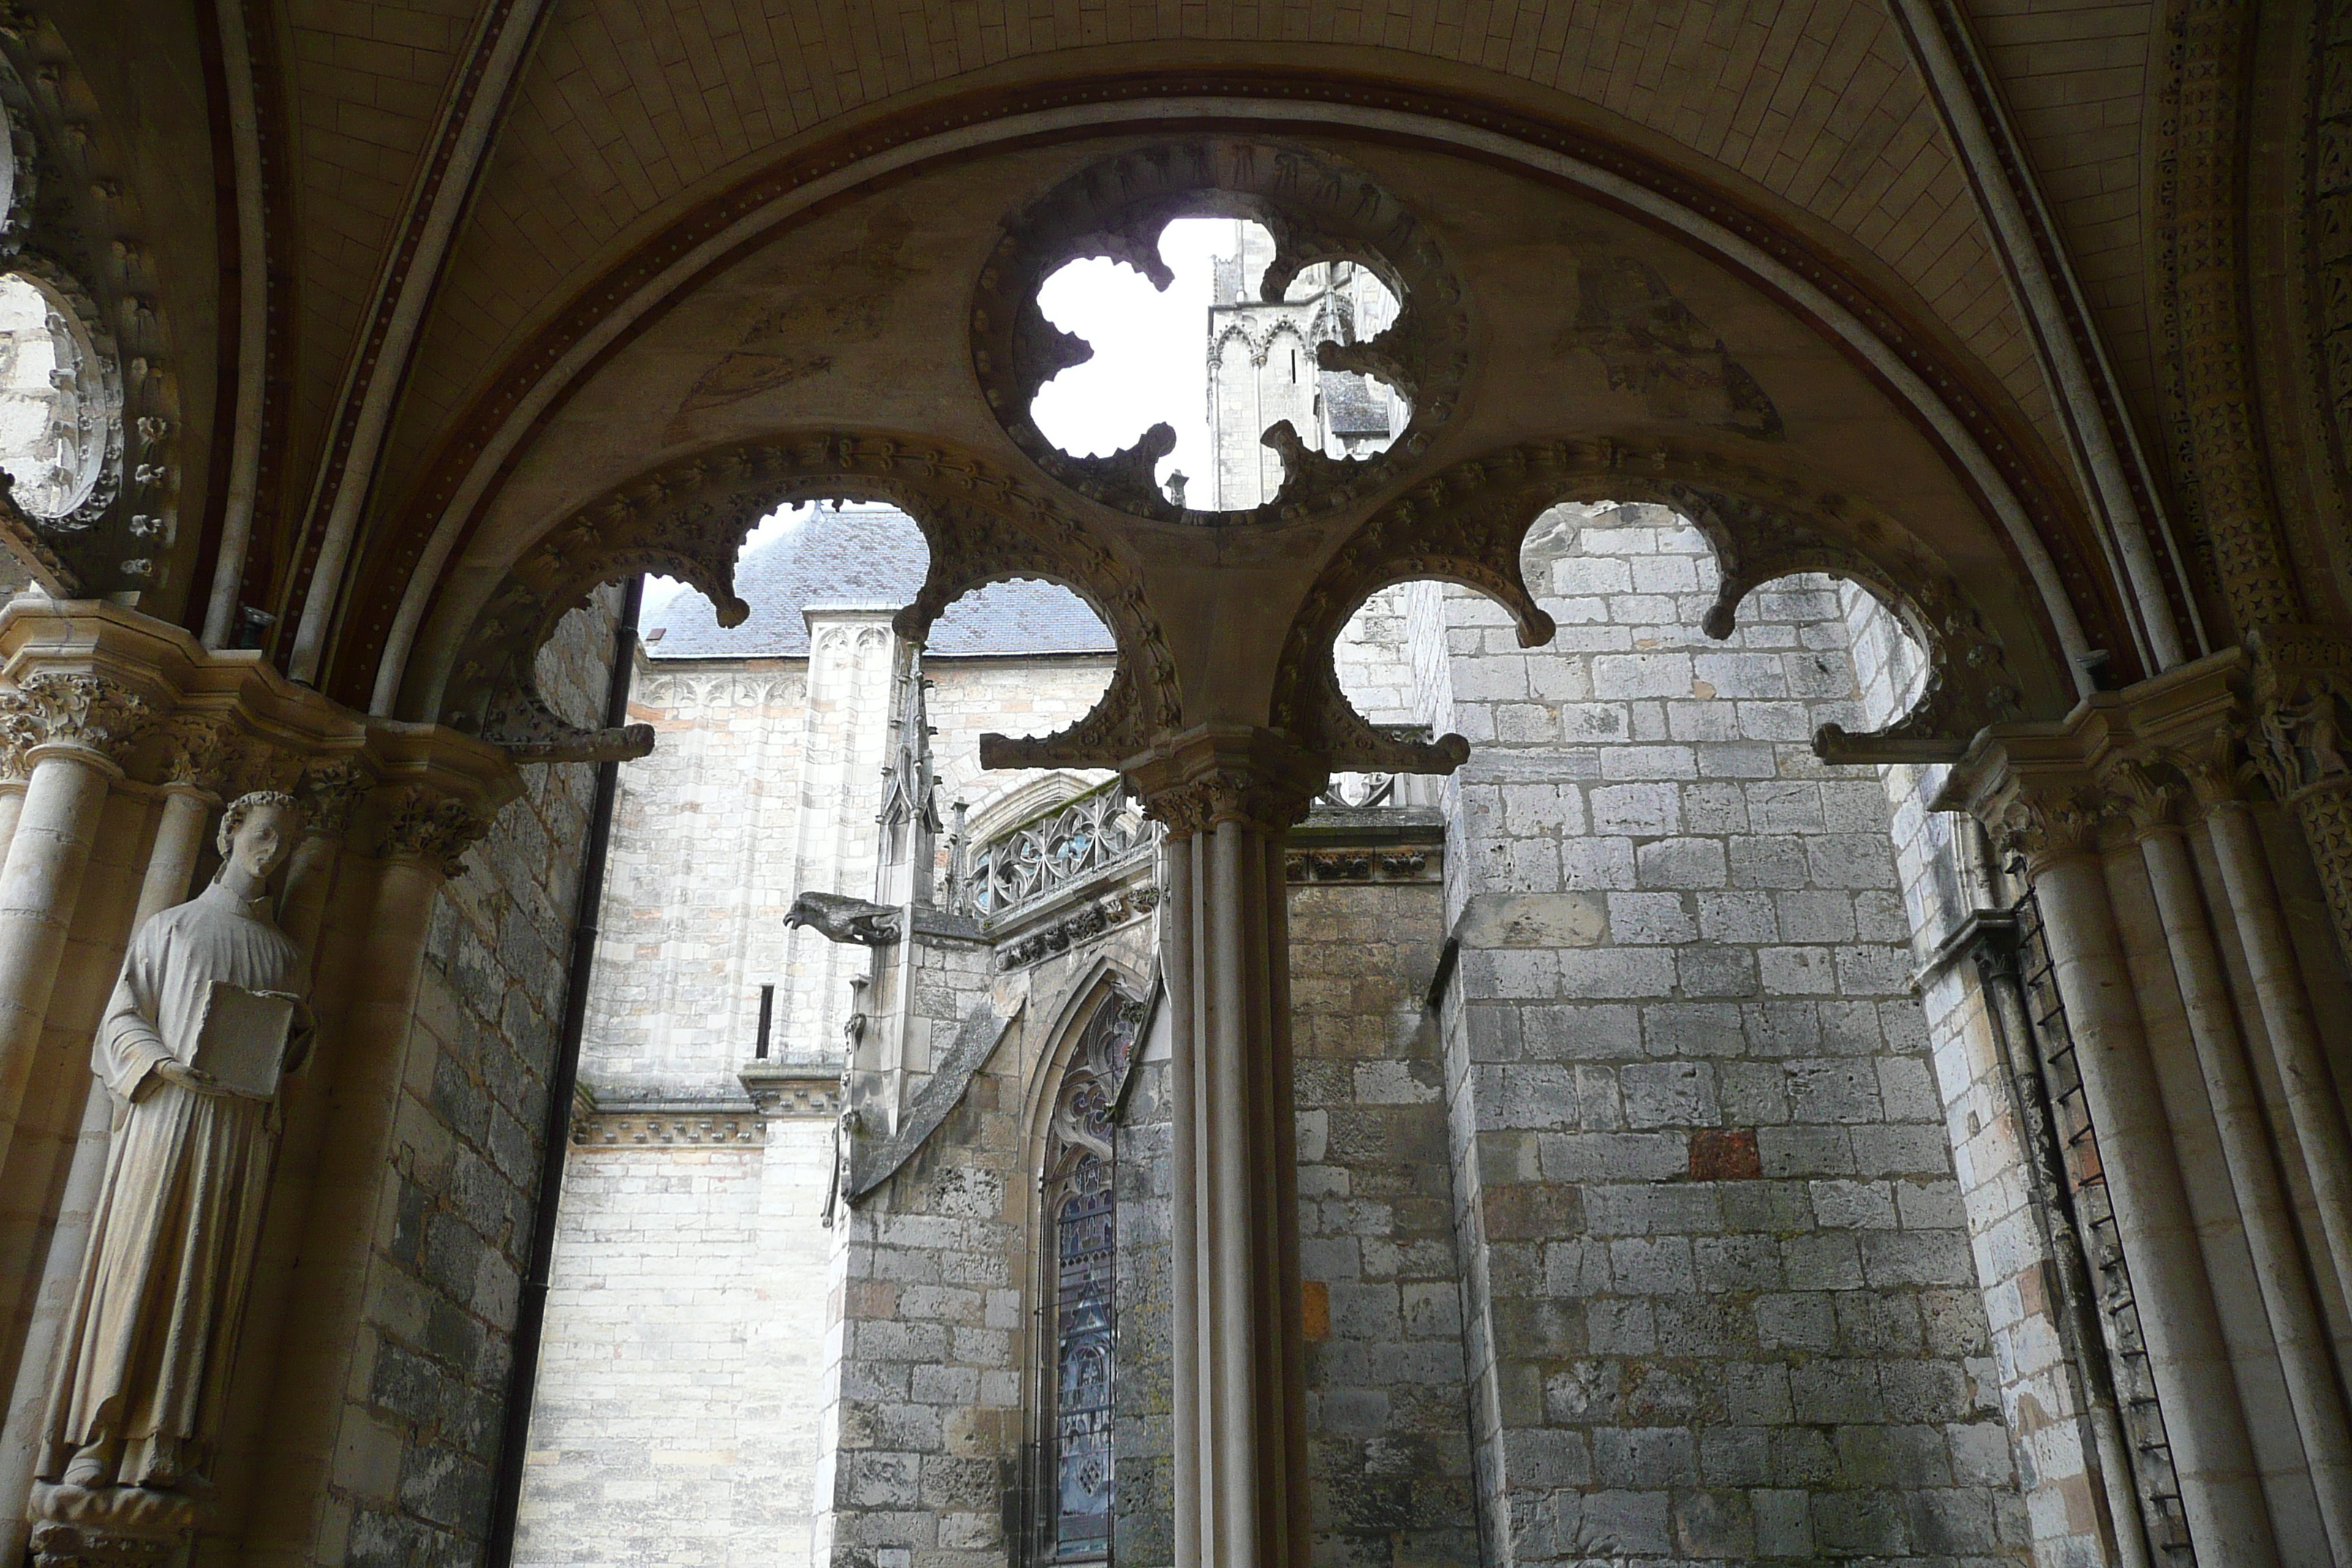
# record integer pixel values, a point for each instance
(1084, 1314)
(1082, 1209)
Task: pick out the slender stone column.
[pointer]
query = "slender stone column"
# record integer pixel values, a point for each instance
(2221, 1491)
(2280, 1001)
(1228, 795)
(12, 804)
(2281, 1271)
(71, 729)
(179, 841)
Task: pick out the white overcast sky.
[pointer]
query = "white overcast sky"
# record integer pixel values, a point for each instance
(1151, 347)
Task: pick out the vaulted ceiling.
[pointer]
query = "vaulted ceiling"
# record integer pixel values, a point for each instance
(464, 212)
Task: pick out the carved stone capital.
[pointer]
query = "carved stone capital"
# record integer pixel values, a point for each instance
(1227, 773)
(2150, 803)
(206, 752)
(2214, 765)
(71, 708)
(329, 794)
(2048, 826)
(424, 825)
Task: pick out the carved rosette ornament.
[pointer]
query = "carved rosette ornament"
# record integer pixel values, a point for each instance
(689, 520)
(60, 707)
(421, 824)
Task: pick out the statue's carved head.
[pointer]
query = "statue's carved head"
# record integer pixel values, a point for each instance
(258, 832)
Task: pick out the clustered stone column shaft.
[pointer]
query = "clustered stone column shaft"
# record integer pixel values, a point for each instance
(2220, 1490)
(2297, 1327)
(2170, 938)
(72, 729)
(1228, 796)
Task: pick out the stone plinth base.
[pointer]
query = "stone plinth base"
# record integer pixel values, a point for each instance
(112, 1527)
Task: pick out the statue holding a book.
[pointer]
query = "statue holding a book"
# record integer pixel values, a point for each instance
(205, 1021)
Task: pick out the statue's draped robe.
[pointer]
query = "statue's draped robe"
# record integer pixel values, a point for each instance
(154, 1316)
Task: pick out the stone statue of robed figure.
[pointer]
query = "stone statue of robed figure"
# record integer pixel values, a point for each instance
(205, 1020)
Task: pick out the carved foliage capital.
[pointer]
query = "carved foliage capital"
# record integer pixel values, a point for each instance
(329, 794)
(2215, 766)
(424, 825)
(1218, 773)
(2151, 802)
(92, 711)
(2045, 825)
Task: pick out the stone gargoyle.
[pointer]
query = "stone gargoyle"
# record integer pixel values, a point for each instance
(837, 917)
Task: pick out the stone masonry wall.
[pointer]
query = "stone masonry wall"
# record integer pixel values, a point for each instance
(754, 793)
(680, 1372)
(1387, 1413)
(931, 1345)
(413, 1485)
(1721, 1302)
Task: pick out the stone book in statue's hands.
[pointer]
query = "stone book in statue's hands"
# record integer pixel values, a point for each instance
(242, 1040)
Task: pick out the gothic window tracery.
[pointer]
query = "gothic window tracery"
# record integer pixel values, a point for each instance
(56, 423)
(1081, 1206)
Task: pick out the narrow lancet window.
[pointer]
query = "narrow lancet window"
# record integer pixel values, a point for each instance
(1081, 1204)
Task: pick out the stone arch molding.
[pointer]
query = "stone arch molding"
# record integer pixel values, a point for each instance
(689, 520)
(1467, 527)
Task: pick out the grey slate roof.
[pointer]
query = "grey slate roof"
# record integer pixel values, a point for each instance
(869, 557)
(1353, 406)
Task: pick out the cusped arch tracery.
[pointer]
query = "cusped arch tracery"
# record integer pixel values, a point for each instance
(689, 520)
(1319, 208)
(1467, 526)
